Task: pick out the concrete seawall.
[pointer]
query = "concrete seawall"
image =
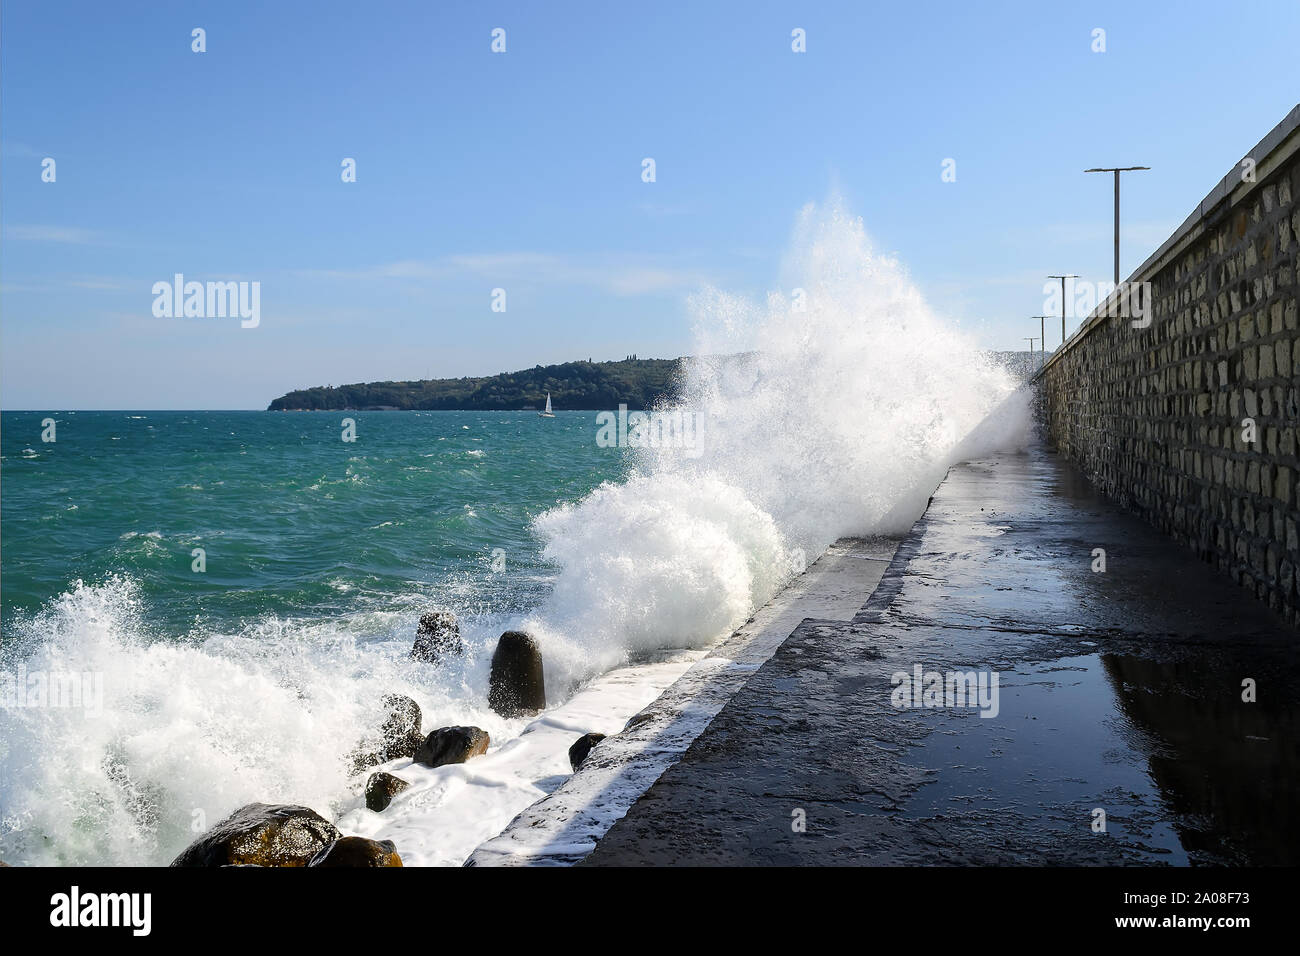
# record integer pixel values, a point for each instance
(563, 827)
(1117, 692)
(1191, 422)
(1121, 726)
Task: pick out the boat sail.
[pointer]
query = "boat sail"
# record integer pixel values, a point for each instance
(547, 413)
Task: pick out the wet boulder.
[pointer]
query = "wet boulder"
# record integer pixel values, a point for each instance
(399, 734)
(516, 687)
(452, 745)
(581, 747)
(262, 834)
(638, 718)
(436, 636)
(358, 851)
(381, 788)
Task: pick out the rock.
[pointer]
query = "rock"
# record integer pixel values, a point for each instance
(639, 718)
(399, 734)
(452, 745)
(381, 788)
(262, 834)
(516, 687)
(358, 851)
(581, 747)
(401, 728)
(437, 635)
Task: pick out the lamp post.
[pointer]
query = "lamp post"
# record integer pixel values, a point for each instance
(1116, 170)
(1063, 278)
(1042, 334)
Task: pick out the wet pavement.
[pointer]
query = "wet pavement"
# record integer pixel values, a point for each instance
(564, 826)
(1119, 692)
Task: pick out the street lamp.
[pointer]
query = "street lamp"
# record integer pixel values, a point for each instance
(1063, 278)
(1116, 170)
(1042, 334)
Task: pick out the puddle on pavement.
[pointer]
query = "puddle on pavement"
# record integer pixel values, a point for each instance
(1186, 771)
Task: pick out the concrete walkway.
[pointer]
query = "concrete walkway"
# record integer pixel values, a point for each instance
(563, 827)
(1118, 691)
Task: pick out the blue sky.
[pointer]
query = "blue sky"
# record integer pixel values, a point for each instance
(522, 170)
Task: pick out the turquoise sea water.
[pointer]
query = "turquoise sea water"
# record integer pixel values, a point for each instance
(294, 521)
(254, 679)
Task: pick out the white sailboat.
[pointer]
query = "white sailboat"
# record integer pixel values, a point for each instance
(547, 413)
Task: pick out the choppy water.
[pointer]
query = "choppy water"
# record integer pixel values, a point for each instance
(251, 680)
(294, 521)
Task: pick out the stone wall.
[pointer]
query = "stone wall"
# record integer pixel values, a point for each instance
(1159, 417)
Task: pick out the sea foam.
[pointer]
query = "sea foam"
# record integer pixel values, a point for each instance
(830, 409)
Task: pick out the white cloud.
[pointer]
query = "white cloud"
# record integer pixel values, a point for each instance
(72, 234)
(622, 275)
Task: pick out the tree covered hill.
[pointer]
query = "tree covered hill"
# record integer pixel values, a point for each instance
(587, 386)
(637, 383)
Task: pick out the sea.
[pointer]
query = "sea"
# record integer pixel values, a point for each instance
(204, 609)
